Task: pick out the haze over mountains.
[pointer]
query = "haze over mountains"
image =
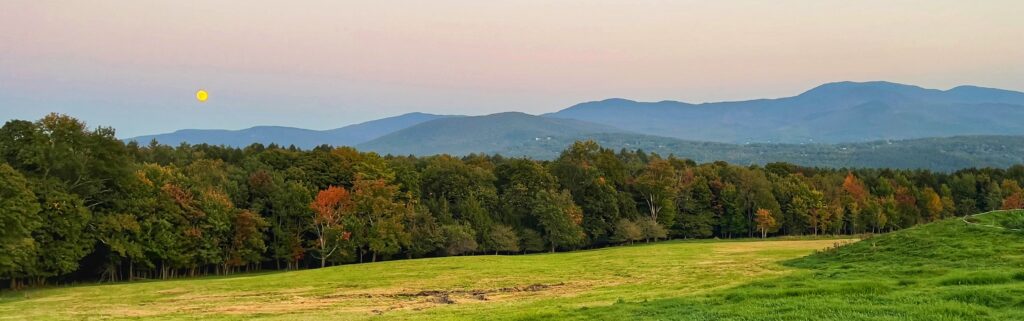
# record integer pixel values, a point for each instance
(843, 114)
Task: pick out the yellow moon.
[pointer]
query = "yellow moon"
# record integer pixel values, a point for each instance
(201, 95)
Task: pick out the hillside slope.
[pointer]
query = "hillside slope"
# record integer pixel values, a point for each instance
(948, 270)
(830, 113)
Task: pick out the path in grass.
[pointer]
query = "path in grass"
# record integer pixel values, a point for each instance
(1001, 219)
(472, 287)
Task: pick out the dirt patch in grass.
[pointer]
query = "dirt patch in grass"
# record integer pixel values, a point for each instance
(380, 302)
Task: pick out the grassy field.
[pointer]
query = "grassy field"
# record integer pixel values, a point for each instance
(950, 270)
(480, 286)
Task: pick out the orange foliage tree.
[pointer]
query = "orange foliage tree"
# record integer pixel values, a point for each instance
(329, 210)
(765, 222)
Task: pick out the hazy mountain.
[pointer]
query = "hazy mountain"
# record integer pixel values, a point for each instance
(480, 134)
(865, 123)
(345, 136)
(830, 113)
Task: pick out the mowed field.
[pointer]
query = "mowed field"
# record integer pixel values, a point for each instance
(953, 269)
(468, 287)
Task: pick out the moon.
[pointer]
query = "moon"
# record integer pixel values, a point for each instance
(202, 95)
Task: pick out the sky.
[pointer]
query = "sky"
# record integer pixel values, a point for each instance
(136, 65)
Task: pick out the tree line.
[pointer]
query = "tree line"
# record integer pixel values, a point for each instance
(77, 204)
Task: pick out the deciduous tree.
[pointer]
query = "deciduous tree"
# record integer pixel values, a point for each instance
(766, 222)
(330, 207)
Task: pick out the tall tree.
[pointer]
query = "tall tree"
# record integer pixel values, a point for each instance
(560, 218)
(330, 207)
(246, 243)
(657, 185)
(19, 216)
(377, 206)
(65, 239)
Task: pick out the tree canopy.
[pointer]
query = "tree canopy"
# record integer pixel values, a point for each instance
(78, 204)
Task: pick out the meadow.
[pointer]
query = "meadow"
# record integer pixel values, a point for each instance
(948, 270)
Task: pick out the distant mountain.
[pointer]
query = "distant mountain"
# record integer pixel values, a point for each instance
(304, 138)
(480, 134)
(871, 124)
(830, 113)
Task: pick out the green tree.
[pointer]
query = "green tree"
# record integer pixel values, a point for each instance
(560, 218)
(531, 241)
(696, 219)
(19, 216)
(65, 239)
(377, 206)
(657, 186)
(459, 239)
(591, 175)
(809, 206)
(502, 238)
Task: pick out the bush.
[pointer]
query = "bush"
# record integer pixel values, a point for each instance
(627, 232)
(650, 229)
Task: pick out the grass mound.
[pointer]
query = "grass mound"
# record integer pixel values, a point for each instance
(947, 270)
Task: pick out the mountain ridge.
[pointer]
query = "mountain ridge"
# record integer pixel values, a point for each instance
(349, 135)
(786, 119)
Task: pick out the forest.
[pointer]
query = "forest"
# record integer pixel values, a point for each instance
(79, 205)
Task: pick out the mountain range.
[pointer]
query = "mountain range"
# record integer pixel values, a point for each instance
(838, 124)
(830, 113)
(350, 135)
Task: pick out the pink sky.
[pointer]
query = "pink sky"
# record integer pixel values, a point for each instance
(134, 65)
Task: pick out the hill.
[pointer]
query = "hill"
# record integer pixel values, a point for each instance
(947, 270)
(830, 113)
(480, 134)
(304, 138)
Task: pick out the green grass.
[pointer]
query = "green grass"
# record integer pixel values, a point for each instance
(1004, 219)
(522, 286)
(949, 270)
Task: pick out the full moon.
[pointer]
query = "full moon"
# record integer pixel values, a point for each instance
(201, 95)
